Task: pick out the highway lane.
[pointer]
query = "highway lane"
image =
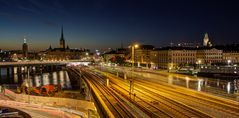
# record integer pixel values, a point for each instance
(215, 106)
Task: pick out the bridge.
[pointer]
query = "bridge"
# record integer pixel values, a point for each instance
(34, 67)
(33, 63)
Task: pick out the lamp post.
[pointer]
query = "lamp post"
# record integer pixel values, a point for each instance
(133, 56)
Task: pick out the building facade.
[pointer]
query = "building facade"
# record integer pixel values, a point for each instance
(142, 55)
(173, 58)
(230, 56)
(209, 55)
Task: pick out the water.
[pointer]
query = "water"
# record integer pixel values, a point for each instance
(229, 86)
(54, 78)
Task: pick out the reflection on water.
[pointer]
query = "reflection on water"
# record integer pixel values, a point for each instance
(199, 84)
(56, 78)
(207, 84)
(228, 87)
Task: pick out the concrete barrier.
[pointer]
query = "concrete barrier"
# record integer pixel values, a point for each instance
(53, 101)
(76, 105)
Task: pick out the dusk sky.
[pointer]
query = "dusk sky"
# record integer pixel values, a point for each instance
(99, 24)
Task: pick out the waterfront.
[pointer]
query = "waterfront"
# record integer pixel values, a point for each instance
(57, 77)
(227, 88)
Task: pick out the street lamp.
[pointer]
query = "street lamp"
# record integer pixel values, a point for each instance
(133, 56)
(199, 62)
(229, 62)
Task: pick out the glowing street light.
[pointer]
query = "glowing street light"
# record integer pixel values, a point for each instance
(199, 63)
(133, 56)
(229, 62)
(133, 51)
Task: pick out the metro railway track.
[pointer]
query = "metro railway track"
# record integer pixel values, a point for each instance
(181, 110)
(144, 105)
(204, 100)
(165, 101)
(231, 108)
(112, 100)
(203, 97)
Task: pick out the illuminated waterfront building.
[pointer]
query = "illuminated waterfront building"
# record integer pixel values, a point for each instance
(25, 49)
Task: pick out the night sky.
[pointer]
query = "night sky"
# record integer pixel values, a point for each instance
(99, 24)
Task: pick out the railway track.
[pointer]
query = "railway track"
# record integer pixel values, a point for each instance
(112, 100)
(207, 103)
(164, 105)
(230, 108)
(159, 100)
(161, 104)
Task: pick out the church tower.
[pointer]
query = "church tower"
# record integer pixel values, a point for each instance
(25, 48)
(62, 40)
(205, 40)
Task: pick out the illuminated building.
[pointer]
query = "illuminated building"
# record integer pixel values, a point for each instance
(25, 49)
(142, 55)
(209, 55)
(206, 42)
(231, 55)
(173, 57)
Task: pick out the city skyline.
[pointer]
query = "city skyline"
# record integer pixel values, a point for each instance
(104, 24)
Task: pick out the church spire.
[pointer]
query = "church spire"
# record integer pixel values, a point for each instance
(62, 40)
(50, 48)
(62, 34)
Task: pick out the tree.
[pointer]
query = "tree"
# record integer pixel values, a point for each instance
(118, 60)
